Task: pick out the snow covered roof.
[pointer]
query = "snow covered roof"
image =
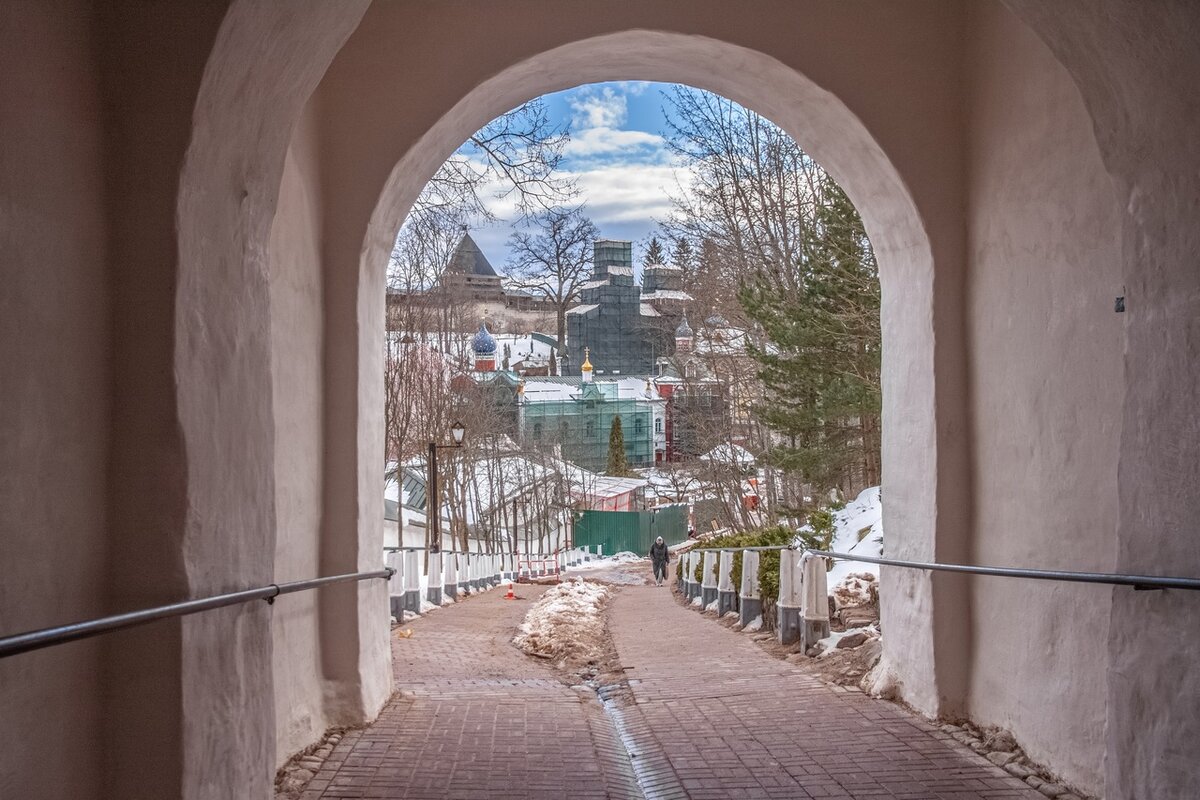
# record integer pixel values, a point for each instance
(666, 294)
(544, 389)
(582, 309)
(729, 454)
(582, 482)
(624, 272)
(647, 310)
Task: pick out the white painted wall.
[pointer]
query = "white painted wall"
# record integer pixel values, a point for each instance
(296, 290)
(1046, 387)
(980, 174)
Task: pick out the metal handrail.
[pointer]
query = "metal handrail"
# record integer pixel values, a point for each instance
(61, 634)
(1114, 579)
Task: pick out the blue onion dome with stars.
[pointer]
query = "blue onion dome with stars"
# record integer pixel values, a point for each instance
(684, 331)
(483, 343)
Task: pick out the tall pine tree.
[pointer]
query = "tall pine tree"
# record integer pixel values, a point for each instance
(618, 466)
(820, 363)
(654, 253)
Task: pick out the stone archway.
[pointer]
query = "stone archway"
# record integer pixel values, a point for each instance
(368, 137)
(837, 139)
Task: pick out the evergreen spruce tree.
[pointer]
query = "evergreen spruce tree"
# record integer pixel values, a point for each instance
(654, 253)
(820, 363)
(682, 255)
(617, 465)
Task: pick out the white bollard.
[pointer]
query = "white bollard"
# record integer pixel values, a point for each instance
(396, 585)
(412, 581)
(750, 598)
(450, 576)
(693, 585)
(708, 580)
(726, 596)
(790, 596)
(465, 573)
(433, 591)
(815, 600)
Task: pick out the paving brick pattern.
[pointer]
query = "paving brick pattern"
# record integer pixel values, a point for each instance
(706, 713)
(473, 717)
(734, 721)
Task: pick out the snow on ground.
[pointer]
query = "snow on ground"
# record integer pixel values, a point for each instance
(607, 562)
(566, 623)
(624, 568)
(858, 529)
(830, 642)
(855, 589)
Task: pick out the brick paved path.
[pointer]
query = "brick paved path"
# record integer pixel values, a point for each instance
(706, 714)
(734, 721)
(474, 717)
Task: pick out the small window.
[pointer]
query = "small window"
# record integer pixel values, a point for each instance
(658, 426)
(537, 430)
(590, 429)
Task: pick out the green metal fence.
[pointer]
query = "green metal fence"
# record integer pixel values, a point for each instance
(635, 531)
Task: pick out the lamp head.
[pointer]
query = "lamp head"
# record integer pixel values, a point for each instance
(458, 432)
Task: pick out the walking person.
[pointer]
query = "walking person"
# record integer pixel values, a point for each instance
(659, 557)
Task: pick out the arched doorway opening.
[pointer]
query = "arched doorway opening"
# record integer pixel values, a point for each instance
(358, 157)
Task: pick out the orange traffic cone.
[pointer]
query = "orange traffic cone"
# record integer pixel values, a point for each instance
(510, 595)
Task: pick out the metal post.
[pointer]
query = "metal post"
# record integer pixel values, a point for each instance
(433, 511)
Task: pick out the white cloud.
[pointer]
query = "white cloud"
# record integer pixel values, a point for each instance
(594, 142)
(630, 192)
(598, 109)
(635, 88)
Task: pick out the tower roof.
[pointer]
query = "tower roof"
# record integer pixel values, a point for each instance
(483, 343)
(468, 259)
(684, 331)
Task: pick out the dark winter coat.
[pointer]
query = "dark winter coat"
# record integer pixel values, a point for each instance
(659, 553)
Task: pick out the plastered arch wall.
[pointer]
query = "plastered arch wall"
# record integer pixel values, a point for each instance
(153, 154)
(381, 135)
(368, 131)
(836, 138)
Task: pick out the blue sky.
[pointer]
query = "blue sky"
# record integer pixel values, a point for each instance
(617, 154)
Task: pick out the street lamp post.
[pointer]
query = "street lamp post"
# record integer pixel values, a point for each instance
(433, 506)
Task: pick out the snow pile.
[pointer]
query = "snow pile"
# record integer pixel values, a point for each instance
(856, 589)
(624, 557)
(830, 642)
(566, 624)
(858, 529)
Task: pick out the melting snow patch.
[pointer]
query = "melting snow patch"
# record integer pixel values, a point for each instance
(754, 625)
(855, 589)
(565, 624)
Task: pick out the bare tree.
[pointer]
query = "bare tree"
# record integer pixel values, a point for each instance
(553, 259)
